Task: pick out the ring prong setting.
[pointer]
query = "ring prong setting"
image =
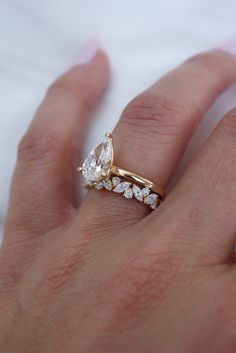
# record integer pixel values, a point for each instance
(108, 135)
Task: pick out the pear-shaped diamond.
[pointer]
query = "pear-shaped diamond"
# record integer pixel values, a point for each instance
(99, 185)
(107, 184)
(98, 163)
(116, 181)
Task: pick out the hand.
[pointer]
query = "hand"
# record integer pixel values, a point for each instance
(108, 276)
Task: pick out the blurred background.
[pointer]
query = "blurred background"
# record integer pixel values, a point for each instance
(143, 38)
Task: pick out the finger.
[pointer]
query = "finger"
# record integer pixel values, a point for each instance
(43, 187)
(156, 126)
(202, 207)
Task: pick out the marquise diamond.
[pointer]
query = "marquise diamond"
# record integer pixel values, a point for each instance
(151, 200)
(145, 191)
(122, 187)
(137, 193)
(128, 193)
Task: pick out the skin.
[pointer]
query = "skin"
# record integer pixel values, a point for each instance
(104, 274)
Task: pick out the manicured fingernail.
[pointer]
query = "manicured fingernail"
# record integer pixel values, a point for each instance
(229, 47)
(88, 51)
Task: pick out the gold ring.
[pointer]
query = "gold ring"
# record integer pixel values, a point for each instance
(99, 172)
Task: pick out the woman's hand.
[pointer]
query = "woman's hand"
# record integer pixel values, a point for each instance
(107, 276)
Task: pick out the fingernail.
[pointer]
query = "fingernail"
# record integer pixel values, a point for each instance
(229, 47)
(88, 51)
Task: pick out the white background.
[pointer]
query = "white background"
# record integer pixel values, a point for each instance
(144, 39)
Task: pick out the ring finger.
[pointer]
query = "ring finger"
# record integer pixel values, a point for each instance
(156, 126)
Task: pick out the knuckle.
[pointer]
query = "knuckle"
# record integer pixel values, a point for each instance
(62, 85)
(38, 145)
(61, 272)
(142, 284)
(67, 86)
(143, 274)
(49, 284)
(154, 114)
(60, 276)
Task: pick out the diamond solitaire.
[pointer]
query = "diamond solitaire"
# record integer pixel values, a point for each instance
(97, 165)
(99, 172)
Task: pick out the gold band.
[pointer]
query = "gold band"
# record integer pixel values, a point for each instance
(138, 179)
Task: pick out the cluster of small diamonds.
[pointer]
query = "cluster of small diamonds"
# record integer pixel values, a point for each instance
(129, 190)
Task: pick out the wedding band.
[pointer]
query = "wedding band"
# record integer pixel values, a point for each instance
(99, 172)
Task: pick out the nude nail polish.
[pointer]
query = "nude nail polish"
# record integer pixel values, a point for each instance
(229, 47)
(88, 51)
